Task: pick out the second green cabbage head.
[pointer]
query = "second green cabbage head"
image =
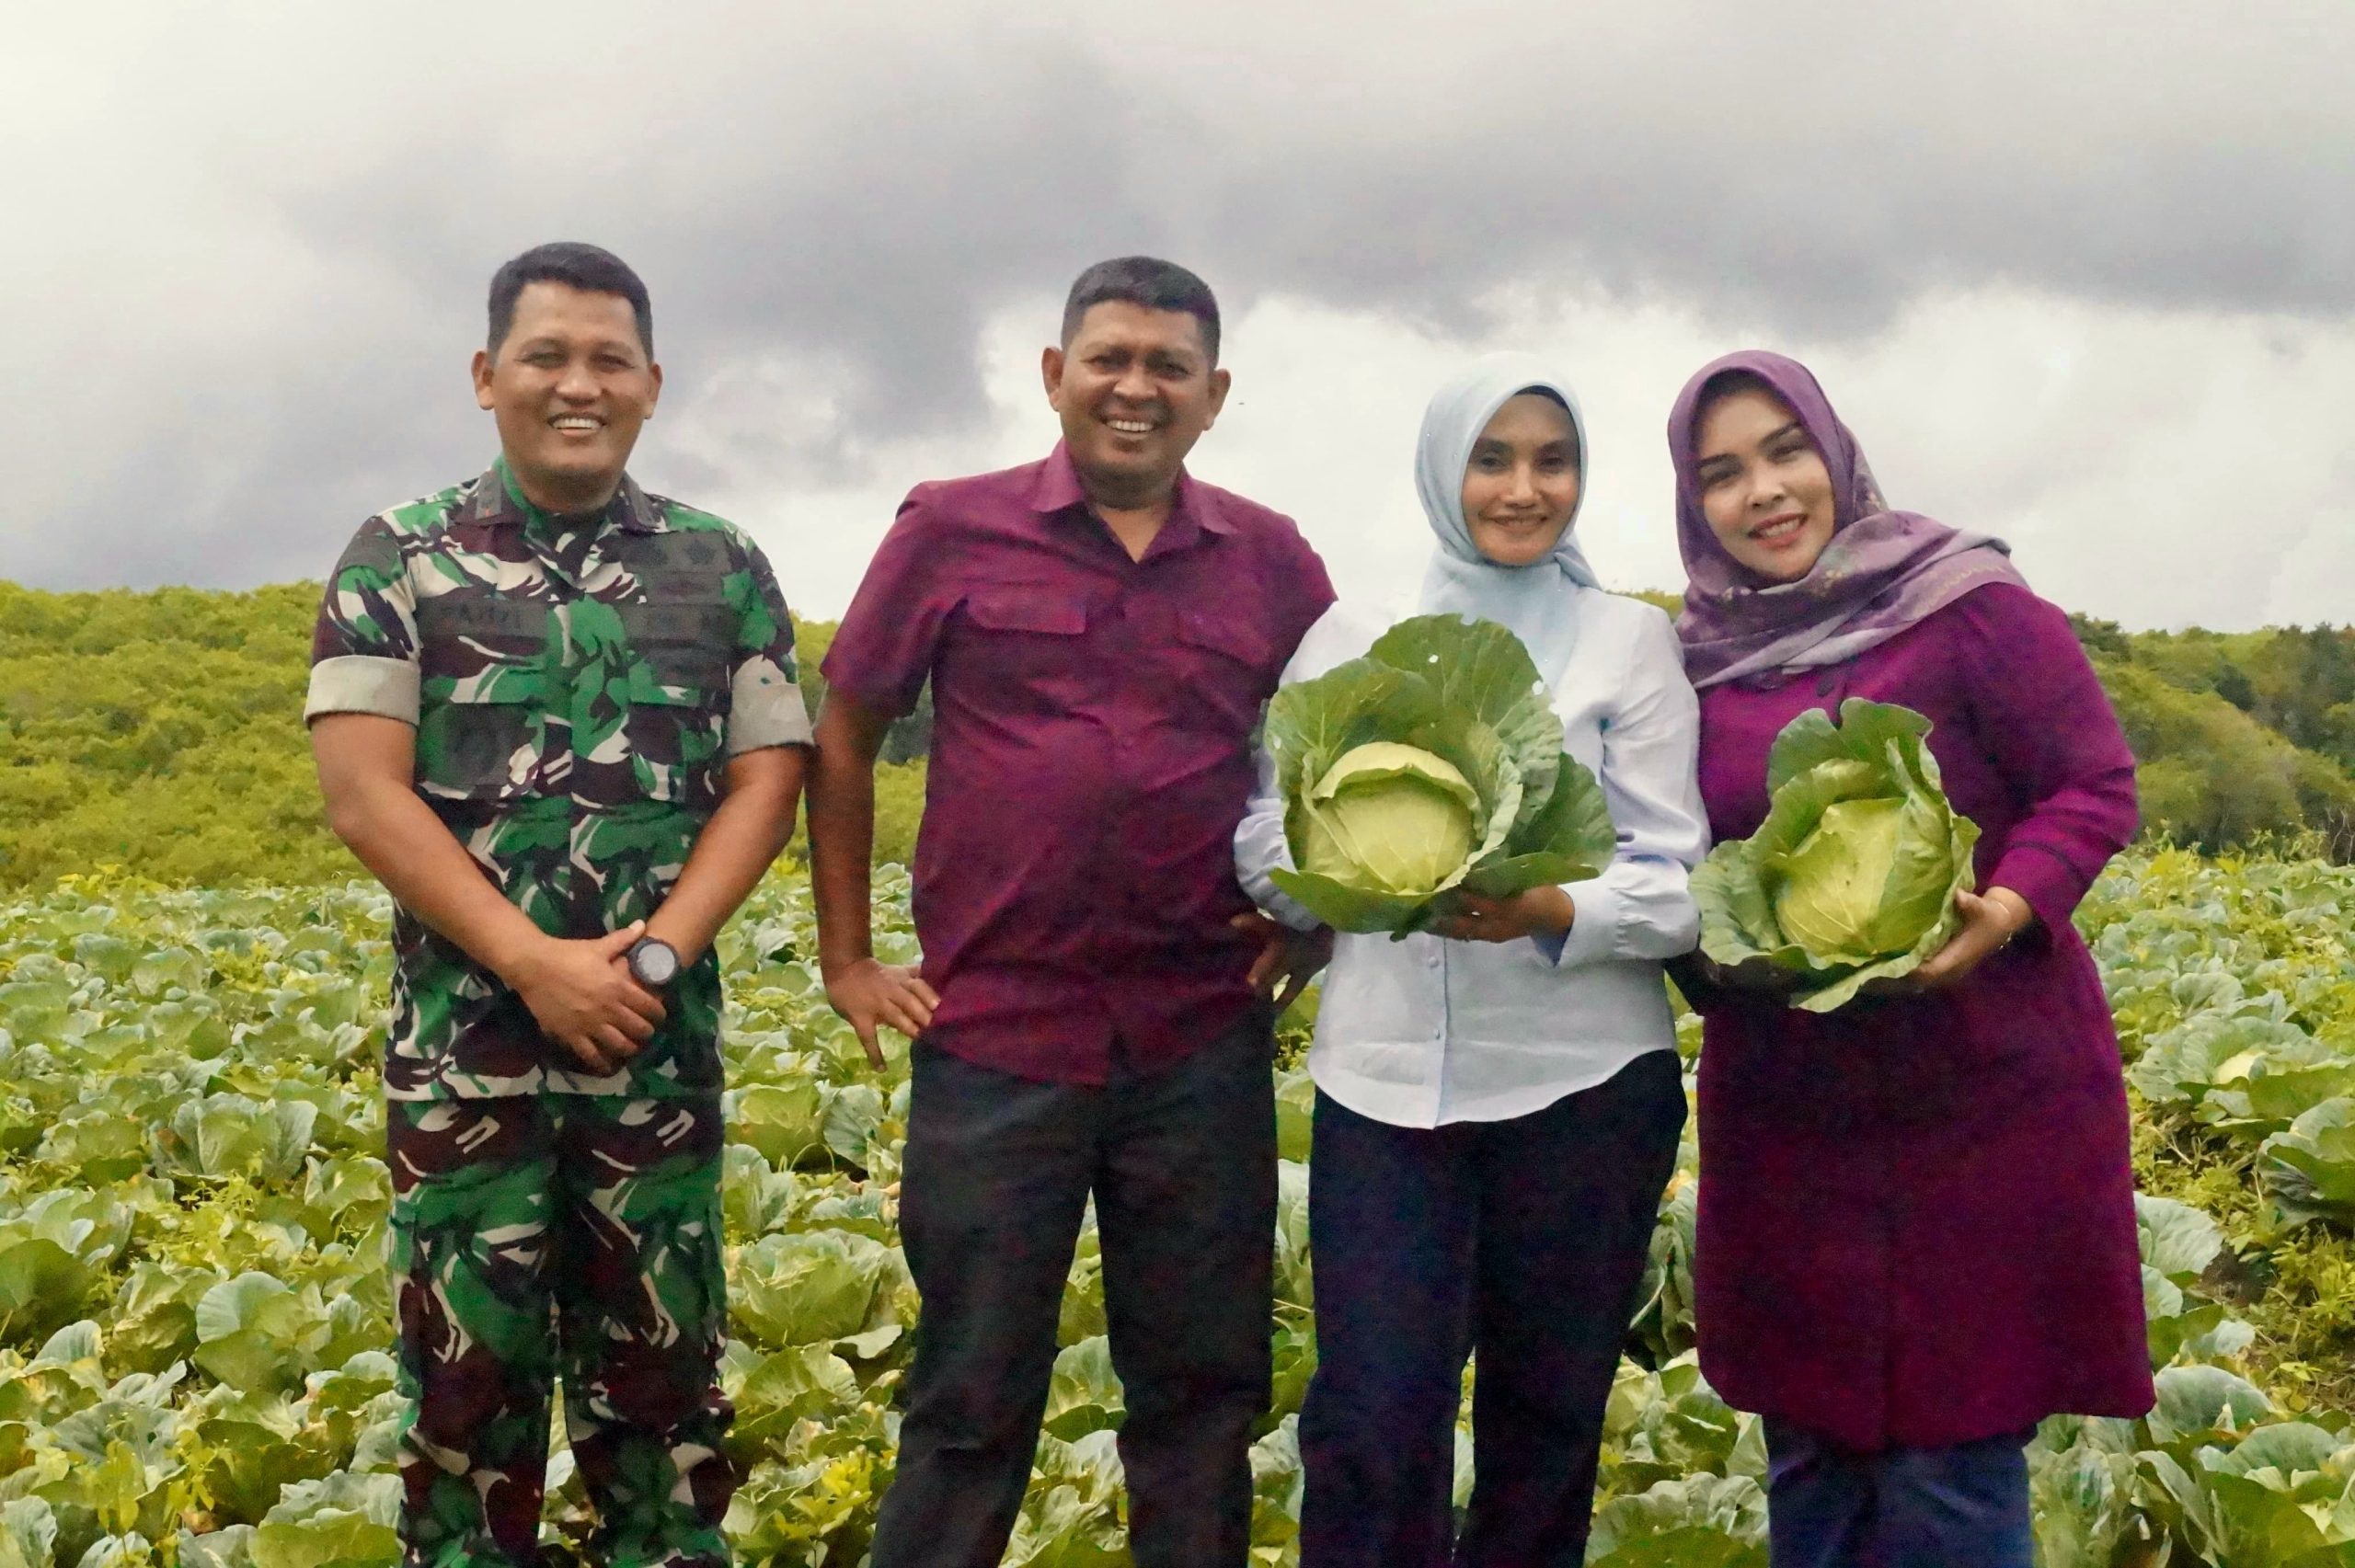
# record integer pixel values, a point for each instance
(1852, 875)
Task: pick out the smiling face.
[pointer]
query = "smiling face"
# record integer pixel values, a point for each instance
(568, 388)
(1135, 388)
(1765, 487)
(1520, 484)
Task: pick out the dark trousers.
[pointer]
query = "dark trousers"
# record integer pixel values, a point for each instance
(539, 1236)
(1182, 1163)
(1523, 1240)
(1963, 1507)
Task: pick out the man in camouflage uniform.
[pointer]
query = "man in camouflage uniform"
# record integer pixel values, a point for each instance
(557, 717)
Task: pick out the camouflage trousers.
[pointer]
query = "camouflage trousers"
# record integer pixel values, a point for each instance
(576, 1236)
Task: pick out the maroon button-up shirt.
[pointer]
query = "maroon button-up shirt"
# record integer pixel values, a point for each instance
(1092, 718)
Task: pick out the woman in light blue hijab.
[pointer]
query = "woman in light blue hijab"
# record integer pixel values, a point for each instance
(1498, 1100)
(1538, 599)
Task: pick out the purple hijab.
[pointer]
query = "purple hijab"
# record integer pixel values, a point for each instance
(1882, 571)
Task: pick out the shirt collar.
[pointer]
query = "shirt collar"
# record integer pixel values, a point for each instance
(499, 502)
(1192, 506)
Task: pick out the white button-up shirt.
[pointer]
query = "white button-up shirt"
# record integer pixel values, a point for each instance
(1426, 1031)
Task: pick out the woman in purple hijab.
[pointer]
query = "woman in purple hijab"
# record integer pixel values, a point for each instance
(1916, 1225)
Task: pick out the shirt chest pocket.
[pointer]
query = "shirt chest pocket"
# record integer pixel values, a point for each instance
(470, 747)
(674, 691)
(481, 723)
(681, 648)
(1226, 666)
(1030, 639)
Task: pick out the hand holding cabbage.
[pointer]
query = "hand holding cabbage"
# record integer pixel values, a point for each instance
(1435, 763)
(1855, 873)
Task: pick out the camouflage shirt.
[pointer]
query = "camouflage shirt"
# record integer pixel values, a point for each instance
(577, 685)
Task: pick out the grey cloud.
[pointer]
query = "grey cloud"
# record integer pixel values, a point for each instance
(849, 200)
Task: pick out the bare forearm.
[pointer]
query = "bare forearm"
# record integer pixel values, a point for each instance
(730, 855)
(842, 845)
(2020, 914)
(397, 837)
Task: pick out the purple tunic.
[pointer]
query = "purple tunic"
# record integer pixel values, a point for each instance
(1916, 1222)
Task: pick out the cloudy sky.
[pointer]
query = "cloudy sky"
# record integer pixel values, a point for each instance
(2080, 274)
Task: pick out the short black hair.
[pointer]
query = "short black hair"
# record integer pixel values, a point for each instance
(1148, 281)
(588, 268)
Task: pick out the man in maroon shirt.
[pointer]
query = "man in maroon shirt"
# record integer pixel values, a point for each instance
(1100, 631)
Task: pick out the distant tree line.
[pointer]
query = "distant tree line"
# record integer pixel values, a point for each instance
(161, 732)
(2240, 736)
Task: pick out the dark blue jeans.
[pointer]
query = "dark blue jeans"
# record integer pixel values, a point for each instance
(999, 1168)
(1964, 1506)
(1521, 1242)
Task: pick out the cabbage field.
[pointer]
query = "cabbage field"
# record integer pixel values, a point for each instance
(194, 1319)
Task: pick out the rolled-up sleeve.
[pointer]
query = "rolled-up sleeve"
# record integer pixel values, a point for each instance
(765, 707)
(363, 646)
(1640, 907)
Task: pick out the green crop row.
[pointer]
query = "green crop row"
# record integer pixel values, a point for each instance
(194, 1321)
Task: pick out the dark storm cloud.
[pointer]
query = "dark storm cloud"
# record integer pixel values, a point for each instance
(847, 205)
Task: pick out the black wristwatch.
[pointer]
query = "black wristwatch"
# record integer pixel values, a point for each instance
(653, 963)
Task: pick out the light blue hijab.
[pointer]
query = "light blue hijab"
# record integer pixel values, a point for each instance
(1538, 602)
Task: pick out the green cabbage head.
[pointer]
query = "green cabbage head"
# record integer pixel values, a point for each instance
(1853, 875)
(1396, 814)
(1434, 762)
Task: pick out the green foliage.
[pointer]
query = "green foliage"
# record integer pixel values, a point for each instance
(2213, 777)
(161, 732)
(899, 812)
(2297, 681)
(1433, 762)
(2233, 980)
(2308, 1168)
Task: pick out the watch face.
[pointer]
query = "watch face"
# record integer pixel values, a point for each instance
(653, 963)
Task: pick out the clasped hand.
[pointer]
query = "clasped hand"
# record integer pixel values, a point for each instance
(582, 995)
